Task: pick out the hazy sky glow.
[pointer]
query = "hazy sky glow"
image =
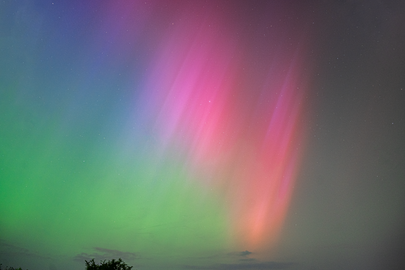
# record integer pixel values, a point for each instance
(201, 134)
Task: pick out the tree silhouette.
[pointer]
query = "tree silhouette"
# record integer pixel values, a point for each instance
(10, 268)
(107, 265)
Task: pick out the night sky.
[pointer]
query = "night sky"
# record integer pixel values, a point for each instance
(202, 134)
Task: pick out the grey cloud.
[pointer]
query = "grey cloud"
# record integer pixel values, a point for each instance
(256, 265)
(240, 253)
(250, 265)
(245, 253)
(9, 250)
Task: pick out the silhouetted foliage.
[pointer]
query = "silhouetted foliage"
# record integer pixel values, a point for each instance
(107, 265)
(10, 268)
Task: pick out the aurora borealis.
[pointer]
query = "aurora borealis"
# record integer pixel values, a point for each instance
(185, 135)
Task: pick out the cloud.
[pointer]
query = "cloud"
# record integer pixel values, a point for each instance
(101, 254)
(250, 265)
(239, 254)
(256, 265)
(245, 253)
(8, 250)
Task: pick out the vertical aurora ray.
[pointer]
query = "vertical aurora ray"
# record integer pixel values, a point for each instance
(240, 142)
(168, 131)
